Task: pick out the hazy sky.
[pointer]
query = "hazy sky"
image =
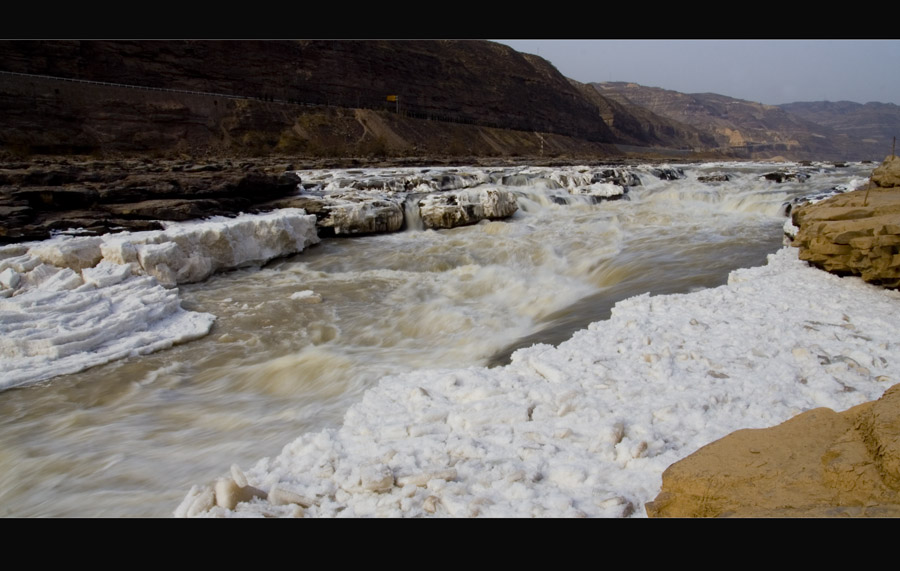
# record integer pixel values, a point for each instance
(765, 71)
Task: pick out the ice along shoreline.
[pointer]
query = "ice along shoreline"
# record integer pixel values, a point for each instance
(586, 428)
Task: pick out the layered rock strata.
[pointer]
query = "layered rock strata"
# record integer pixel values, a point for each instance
(41, 198)
(38, 198)
(857, 233)
(818, 464)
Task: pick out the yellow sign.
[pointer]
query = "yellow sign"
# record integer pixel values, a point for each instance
(392, 98)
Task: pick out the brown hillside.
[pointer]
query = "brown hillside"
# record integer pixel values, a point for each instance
(270, 93)
(872, 126)
(743, 129)
(638, 126)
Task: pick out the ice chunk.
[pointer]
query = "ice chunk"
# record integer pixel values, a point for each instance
(192, 251)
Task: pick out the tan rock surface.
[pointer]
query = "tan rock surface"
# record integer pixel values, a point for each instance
(888, 174)
(818, 464)
(856, 233)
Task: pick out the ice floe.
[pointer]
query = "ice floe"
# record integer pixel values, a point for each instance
(70, 303)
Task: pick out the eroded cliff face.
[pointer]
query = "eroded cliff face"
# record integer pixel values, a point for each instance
(857, 233)
(818, 464)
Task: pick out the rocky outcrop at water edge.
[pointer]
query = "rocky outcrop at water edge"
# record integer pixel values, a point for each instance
(818, 464)
(41, 197)
(439, 199)
(857, 233)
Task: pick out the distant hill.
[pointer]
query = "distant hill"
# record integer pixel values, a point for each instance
(873, 125)
(638, 126)
(745, 128)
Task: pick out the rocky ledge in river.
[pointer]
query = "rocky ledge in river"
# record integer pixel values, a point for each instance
(857, 233)
(355, 213)
(356, 201)
(40, 197)
(818, 464)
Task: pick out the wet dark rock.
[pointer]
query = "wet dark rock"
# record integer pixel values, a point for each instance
(178, 209)
(48, 195)
(13, 218)
(204, 168)
(54, 177)
(90, 225)
(56, 197)
(714, 178)
(620, 177)
(781, 176)
(668, 173)
(787, 207)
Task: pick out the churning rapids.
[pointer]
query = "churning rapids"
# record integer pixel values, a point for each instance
(299, 340)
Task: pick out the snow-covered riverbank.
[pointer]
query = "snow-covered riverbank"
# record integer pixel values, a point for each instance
(586, 428)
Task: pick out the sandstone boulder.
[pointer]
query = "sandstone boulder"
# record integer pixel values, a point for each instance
(782, 176)
(714, 178)
(856, 233)
(888, 174)
(363, 217)
(818, 464)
